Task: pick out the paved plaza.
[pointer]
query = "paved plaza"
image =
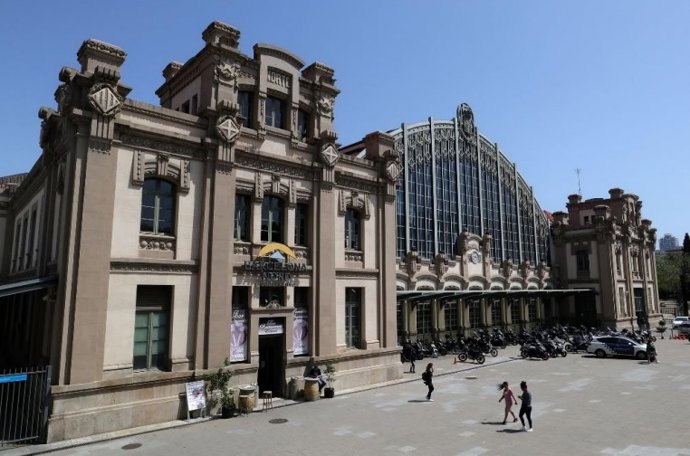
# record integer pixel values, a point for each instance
(582, 406)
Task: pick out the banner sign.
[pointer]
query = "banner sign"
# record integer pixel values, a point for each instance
(196, 397)
(238, 335)
(272, 265)
(268, 326)
(300, 331)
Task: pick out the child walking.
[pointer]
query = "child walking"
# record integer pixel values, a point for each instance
(510, 400)
(526, 407)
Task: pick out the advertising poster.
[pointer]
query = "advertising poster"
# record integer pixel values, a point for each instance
(196, 399)
(238, 335)
(300, 331)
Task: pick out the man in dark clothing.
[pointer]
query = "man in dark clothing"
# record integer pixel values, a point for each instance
(409, 354)
(526, 407)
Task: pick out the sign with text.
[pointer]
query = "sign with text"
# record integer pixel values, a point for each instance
(238, 335)
(272, 265)
(196, 397)
(268, 326)
(300, 331)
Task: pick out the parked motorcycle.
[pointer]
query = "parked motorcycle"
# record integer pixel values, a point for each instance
(534, 350)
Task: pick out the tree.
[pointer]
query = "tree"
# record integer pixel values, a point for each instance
(684, 272)
(668, 272)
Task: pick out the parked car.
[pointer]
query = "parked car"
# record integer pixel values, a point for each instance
(683, 328)
(603, 346)
(679, 321)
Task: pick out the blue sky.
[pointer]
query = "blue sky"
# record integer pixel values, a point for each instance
(600, 86)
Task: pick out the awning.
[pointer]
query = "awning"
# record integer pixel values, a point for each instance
(425, 295)
(24, 286)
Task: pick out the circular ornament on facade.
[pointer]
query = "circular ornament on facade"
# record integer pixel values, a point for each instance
(227, 129)
(474, 257)
(329, 155)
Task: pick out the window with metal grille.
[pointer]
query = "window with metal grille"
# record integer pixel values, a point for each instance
(532, 309)
(496, 312)
(475, 312)
(515, 311)
(424, 328)
(451, 316)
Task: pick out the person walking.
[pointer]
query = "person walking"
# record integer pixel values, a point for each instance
(509, 398)
(526, 407)
(651, 352)
(409, 355)
(428, 377)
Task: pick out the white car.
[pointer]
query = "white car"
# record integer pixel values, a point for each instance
(679, 321)
(603, 346)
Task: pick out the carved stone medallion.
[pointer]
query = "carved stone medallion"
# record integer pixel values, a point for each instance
(329, 155)
(105, 100)
(227, 129)
(393, 170)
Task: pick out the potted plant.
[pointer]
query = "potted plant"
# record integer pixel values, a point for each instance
(329, 372)
(661, 328)
(219, 391)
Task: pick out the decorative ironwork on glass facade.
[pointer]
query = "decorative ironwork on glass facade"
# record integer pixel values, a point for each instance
(454, 180)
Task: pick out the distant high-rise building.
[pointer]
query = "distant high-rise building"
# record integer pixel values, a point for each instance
(668, 242)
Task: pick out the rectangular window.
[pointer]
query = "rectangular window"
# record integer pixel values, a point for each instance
(475, 313)
(30, 254)
(242, 217)
(496, 312)
(185, 107)
(638, 294)
(622, 305)
(424, 328)
(532, 310)
(582, 258)
(302, 125)
(275, 112)
(151, 327)
(451, 316)
(301, 223)
(195, 104)
(353, 318)
(15, 253)
(515, 312)
(22, 246)
(272, 297)
(245, 99)
(352, 230)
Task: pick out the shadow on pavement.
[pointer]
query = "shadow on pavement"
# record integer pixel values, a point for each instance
(510, 431)
(418, 400)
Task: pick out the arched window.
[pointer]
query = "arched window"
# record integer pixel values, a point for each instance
(272, 219)
(158, 207)
(352, 230)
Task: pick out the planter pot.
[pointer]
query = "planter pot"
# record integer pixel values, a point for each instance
(328, 392)
(227, 412)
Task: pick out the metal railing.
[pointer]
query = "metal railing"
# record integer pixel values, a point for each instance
(24, 394)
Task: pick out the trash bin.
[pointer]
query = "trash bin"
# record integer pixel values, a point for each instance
(293, 388)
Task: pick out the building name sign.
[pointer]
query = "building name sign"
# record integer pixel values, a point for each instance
(271, 265)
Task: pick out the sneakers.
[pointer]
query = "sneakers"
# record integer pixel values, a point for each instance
(428, 399)
(523, 428)
(530, 429)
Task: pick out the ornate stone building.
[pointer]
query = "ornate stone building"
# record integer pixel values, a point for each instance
(150, 244)
(605, 245)
(473, 244)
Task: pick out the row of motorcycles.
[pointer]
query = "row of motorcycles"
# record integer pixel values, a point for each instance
(543, 343)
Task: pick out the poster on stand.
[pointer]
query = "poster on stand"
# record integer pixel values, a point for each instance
(300, 331)
(196, 399)
(238, 335)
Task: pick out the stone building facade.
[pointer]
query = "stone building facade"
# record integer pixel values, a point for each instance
(151, 244)
(605, 245)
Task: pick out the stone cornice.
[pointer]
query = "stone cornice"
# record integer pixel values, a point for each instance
(267, 164)
(169, 115)
(156, 145)
(356, 273)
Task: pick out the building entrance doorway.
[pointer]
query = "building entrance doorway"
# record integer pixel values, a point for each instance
(271, 374)
(585, 310)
